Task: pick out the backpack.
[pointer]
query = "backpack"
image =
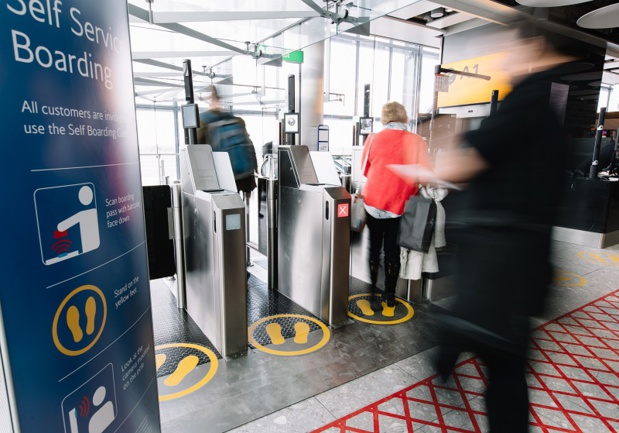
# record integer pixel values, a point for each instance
(228, 134)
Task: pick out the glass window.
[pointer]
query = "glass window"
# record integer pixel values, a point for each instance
(244, 70)
(149, 166)
(156, 131)
(157, 142)
(613, 101)
(395, 70)
(340, 134)
(608, 98)
(603, 98)
(429, 60)
(398, 68)
(261, 128)
(342, 78)
(373, 70)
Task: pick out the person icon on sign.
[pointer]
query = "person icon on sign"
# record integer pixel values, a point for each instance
(101, 419)
(87, 221)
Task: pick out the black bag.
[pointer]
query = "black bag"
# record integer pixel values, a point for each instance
(357, 213)
(417, 224)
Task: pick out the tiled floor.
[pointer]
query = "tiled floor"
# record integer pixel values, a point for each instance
(373, 378)
(573, 380)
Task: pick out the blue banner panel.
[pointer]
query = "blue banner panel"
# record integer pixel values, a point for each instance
(75, 294)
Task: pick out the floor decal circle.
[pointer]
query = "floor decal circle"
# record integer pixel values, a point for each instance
(79, 320)
(363, 304)
(301, 338)
(599, 257)
(180, 379)
(568, 279)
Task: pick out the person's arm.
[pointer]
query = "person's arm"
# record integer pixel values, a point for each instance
(69, 222)
(423, 158)
(460, 165)
(365, 161)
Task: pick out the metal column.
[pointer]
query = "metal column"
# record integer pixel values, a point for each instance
(272, 188)
(177, 217)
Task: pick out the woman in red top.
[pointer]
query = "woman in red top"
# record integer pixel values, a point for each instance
(385, 192)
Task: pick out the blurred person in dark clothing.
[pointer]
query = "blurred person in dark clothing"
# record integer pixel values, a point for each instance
(513, 164)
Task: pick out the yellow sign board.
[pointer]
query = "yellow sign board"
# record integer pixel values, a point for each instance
(467, 90)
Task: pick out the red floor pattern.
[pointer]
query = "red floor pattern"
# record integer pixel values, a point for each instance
(574, 384)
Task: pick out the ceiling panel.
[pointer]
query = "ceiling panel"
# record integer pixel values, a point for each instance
(211, 34)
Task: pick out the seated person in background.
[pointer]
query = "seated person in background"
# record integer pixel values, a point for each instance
(604, 160)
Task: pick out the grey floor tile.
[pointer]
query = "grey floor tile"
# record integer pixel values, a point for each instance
(364, 363)
(577, 259)
(420, 366)
(354, 395)
(298, 418)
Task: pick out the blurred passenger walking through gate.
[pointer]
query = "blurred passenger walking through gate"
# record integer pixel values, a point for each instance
(514, 164)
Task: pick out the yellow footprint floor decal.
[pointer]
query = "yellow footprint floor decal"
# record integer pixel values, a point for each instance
(365, 307)
(388, 311)
(301, 330)
(186, 365)
(274, 331)
(160, 360)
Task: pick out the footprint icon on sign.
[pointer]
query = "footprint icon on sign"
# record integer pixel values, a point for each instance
(79, 320)
(73, 319)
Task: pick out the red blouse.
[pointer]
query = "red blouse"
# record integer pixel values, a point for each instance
(384, 189)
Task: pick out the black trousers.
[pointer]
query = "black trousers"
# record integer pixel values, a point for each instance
(501, 278)
(507, 395)
(384, 233)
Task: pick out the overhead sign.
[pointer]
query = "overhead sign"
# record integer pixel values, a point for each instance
(294, 56)
(455, 89)
(75, 298)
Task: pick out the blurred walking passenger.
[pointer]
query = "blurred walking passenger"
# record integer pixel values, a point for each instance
(514, 165)
(225, 132)
(385, 193)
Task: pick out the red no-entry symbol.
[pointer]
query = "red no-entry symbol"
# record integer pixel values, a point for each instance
(342, 210)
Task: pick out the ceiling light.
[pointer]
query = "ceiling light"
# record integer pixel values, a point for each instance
(437, 13)
(550, 3)
(602, 18)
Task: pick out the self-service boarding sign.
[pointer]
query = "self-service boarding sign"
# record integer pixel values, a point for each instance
(76, 325)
